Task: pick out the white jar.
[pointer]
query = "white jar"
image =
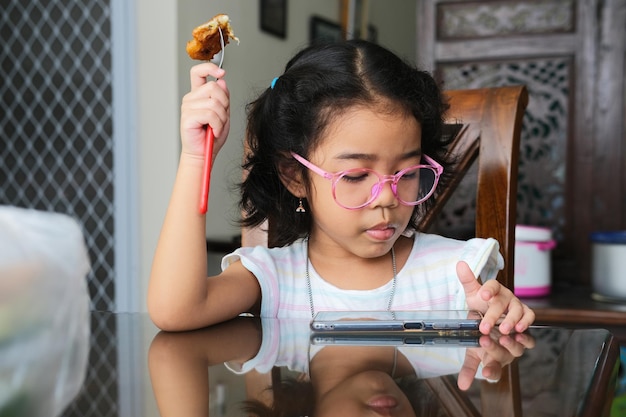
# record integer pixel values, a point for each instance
(533, 246)
(608, 265)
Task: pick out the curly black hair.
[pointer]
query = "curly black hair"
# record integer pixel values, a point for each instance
(319, 84)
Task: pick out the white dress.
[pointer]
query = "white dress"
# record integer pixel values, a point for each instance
(428, 280)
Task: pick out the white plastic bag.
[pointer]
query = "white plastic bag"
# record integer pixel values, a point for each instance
(44, 312)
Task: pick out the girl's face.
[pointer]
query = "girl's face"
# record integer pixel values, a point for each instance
(385, 142)
(369, 393)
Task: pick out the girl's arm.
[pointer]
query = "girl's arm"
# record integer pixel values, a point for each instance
(179, 363)
(180, 296)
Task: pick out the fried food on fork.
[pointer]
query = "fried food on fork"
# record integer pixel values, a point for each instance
(206, 38)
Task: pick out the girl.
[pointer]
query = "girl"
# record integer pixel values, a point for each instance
(345, 150)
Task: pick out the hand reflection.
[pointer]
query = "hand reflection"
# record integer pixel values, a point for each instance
(495, 352)
(179, 363)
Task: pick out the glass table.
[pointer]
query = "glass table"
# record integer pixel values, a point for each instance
(124, 366)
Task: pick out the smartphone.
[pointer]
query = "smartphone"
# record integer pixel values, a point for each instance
(396, 321)
(447, 339)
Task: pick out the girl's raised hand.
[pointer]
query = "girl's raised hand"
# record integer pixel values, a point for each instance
(495, 301)
(207, 104)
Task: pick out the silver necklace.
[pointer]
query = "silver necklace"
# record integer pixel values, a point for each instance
(393, 282)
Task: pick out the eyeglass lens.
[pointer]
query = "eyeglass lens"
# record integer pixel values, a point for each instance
(357, 188)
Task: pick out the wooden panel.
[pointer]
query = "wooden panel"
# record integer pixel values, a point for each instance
(543, 142)
(514, 18)
(608, 120)
(585, 189)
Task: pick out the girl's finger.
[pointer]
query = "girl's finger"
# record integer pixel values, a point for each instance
(514, 314)
(525, 340)
(527, 319)
(213, 90)
(199, 73)
(467, 373)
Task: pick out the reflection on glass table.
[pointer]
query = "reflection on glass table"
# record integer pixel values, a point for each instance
(547, 371)
(250, 364)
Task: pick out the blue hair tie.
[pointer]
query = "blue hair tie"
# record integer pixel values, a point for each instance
(273, 82)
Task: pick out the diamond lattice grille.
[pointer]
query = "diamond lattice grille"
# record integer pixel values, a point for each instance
(56, 147)
(55, 67)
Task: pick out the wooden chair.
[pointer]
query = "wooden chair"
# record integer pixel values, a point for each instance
(490, 121)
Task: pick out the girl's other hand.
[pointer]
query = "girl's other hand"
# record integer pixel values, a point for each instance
(207, 104)
(495, 301)
(495, 352)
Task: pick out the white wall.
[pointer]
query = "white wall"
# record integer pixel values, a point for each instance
(396, 25)
(157, 124)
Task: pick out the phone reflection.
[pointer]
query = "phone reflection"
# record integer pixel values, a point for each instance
(274, 367)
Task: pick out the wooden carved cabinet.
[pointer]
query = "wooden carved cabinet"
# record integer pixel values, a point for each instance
(571, 56)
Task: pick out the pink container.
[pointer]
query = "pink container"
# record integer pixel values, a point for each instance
(533, 246)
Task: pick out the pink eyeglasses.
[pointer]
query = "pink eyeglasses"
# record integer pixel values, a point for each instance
(356, 188)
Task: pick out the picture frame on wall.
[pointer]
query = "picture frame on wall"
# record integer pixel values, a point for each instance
(323, 30)
(273, 16)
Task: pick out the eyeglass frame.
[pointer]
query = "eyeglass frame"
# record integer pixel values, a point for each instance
(382, 179)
